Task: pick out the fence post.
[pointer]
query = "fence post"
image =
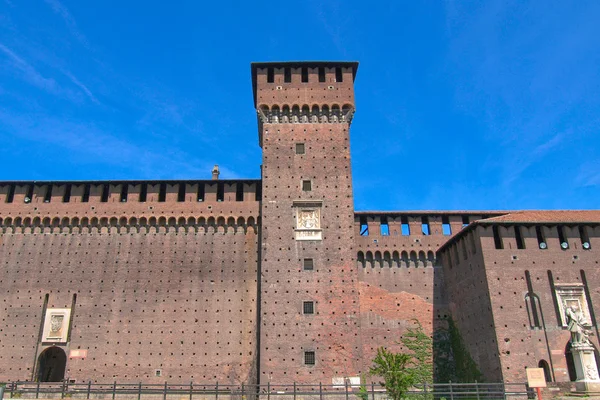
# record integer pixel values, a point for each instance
(242, 390)
(37, 390)
(89, 389)
(114, 392)
(269, 390)
(294, 390)
(62, 390)
(346, 384)
(191, 389)
(165, 391)
(139, 390)
(217, 390)
(12, 389)
(477, 388)
(451, 394)
(320, 391)
(373, 390)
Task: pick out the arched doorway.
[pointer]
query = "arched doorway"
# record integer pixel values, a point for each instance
(51, 365)
(544, 365)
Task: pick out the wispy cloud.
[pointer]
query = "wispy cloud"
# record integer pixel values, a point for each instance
(589, 174)
(29, 73)
(61, 10)
(82, 87)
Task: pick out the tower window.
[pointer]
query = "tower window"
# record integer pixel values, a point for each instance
(220, 191)
(405, 226)
(11, 194)
(67, 194)
(162, 192)
(425, 226)
(465, 220)
(562, 238)
(384, 227)
(446, 228)
(364, 226)
(300, 148)
(29, 194)
(270, 75)
(239, 192)
(181, 192)
(497, 238)
(306, 186)
(585, 238)
(321, 74)
(86, 193)
(308, 307)
(124, 192)
(304, 74)
(143, 192)
(200, 194)
(338, 75)
(287, 74)
(540, 237)
(519, 238)
(309, 358)
(104, 196)
(308, 264)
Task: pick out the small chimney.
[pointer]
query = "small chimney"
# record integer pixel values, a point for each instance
(215, 173)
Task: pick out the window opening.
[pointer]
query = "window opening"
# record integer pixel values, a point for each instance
(384, 227)
(519, 238)
(465, 220)
(309, 358)
(124, 192)
(181, 192)
(200, 194)
(364, 227)
(306, 186)
(104, 197)
(425, 226)
(220, 191)
(308, 264)
(48, 195)
(67, 194)
(287, 74)
(239, 192)
(299, 148)
(562, 238)
(338, 75)
(258, 192)
(162, 192)
(405, 227)
(446, 228)
(144, 192)
(270, 75)
(309, 307)
(11, 194)
(497, 238)
(29, 194)
(321, 74)
(304, 74)
(585, 238)
(540, 237)
(86, 193)
(544, 365)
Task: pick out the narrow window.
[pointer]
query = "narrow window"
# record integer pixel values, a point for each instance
(384, 227)
(309, 358)
(29, 194)
(497, 238)
(287, 74)
(67, 194)
(465, 220)
(104, 197)
(200, 194)
(220, 191)
(540, 237)
(162, 192)
(258, 195)
(321, 74)
(306, 186)
(446, 228)
(405, 226)
(425, 226)
(585, 238)
(86, 193)
(304, 74)
(124, 192)
(270, 75)
(519, 238)
(309, 307)
(239, 192)
(11, 194)
(48, 195)
(531, 300)
(181, 192)
(308, 264)
(299, 148)
(143, 192)
(338, 75)
(364, 227)
(562, 238)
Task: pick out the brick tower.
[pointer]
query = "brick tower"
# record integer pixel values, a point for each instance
(309, 309)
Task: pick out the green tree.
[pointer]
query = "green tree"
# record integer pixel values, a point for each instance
(420, 344)
(394, 369)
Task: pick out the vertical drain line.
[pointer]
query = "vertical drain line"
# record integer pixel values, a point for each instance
(40, 334)
(71, 317)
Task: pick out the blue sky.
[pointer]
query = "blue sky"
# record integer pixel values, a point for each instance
(460, 104)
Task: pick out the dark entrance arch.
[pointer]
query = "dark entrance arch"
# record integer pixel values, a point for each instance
(51, 365)
(544, 364)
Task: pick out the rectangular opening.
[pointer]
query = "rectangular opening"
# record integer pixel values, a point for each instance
(308, 307)
(465, 220)
(562, 238)
(405, 227)
(384, 227)
(309, 358)
(258, 192)
(446, 228)
(104, 196)
(519, 238)
(287, 74)
(364, 226)
(321, 74)
(306, 186)
(86, 193)
(585, 238)
(497, 238)
(48, 194)
(10, 196)
(270, 75)
(299, 148)
(67, 194)
(29, 194)
(239, 192)
(124, 192)
(308, 264)
(181, 192)
(338, 75)
(220, 191)
(425, 226)
(162, 192)
(304, 75)
(143, 192)
(200, 194)
(540, 237)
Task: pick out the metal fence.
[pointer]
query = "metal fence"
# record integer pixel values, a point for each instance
(191, 391)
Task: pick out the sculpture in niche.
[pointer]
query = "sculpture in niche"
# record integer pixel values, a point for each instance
(577, 324)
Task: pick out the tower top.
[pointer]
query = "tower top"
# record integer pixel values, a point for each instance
(305, 69)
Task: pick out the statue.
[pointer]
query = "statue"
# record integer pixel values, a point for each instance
(577, 325)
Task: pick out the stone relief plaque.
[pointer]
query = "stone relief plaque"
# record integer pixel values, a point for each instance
(308, 220)
(572, 297)
(56, 325)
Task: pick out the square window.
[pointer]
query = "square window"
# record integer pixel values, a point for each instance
(309, 358)
(309, 307)
(308, 264)
(299, 148)
(158, 372)
(306, 186)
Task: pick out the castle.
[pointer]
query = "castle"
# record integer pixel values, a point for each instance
(279, 279)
